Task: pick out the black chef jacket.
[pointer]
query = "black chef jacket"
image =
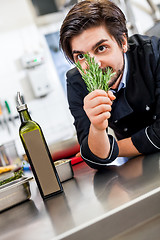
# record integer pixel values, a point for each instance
(136, 110)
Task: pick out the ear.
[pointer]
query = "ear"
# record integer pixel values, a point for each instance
(124, 43)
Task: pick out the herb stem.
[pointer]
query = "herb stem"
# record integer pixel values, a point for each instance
(94, 76)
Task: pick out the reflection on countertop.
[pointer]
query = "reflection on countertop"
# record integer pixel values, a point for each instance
(91, 200)
(116, 185)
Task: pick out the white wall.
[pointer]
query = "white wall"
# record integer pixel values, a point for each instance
(14, 14)
(18, 36)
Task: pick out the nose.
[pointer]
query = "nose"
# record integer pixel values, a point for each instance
(97, 60)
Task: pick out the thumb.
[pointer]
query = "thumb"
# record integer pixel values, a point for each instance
(111, 95)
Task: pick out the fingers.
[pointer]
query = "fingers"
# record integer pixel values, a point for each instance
(100, 122)
(78, 154)
(97, 92)
(101, 93)
(97, 106)
(101, 109)
(99, 119)
(111, 95)
(98, 97)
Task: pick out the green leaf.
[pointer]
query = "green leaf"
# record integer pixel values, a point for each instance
(94, 77)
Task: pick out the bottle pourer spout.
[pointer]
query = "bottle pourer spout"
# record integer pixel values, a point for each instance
(21, 106)
(19, 100)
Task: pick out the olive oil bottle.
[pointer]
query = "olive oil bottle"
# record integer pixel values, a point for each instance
(38, 153)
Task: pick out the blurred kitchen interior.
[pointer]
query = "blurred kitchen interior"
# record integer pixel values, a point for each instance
(31, 62)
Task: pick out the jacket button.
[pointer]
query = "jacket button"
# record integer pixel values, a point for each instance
(154, 117)
(147, 108)
(125, 129)
(115, 121)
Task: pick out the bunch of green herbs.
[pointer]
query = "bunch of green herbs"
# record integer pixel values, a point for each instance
(94, 76)
(18, 174)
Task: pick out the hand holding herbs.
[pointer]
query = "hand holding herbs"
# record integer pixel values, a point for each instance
(94, 76)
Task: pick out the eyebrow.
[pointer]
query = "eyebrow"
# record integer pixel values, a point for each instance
(76, 51)
(94, 46)
(99, 43)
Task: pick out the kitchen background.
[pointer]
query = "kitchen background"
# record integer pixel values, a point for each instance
(31, 62)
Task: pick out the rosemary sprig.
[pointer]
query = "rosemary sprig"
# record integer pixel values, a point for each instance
(94, 76)
(17, 175)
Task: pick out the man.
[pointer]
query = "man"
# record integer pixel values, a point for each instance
(99, 28)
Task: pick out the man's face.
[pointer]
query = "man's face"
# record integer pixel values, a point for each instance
(103, 47)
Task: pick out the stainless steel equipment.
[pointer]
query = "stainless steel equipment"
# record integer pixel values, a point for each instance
(14, 192)
(64, 169)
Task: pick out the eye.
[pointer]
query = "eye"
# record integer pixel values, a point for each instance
(80, 56)
(101, 48)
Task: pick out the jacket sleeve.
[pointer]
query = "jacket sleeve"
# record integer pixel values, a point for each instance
(94, 161)
(147, 140)
(76, 91)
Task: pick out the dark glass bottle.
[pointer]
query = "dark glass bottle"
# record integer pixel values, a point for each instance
(38, 153)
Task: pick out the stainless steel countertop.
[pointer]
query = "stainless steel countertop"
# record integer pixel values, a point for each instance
(94, 204)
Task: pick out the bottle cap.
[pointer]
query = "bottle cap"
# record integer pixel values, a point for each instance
(21, 106)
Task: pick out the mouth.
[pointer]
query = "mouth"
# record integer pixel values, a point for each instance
(115, 77)
(104, 70)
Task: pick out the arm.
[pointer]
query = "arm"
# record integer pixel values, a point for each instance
(147, 140)
(126, 148)
(76, 93)
(98, 142)
(97, 106)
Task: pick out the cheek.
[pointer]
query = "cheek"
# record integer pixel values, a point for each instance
(83, 65)
(116, 61)
(108, 62)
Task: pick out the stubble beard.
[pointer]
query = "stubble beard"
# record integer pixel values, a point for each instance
(114, 79)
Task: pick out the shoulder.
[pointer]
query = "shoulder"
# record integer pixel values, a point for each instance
(144, 69)
(139, 42)
(146, 49)
(75, 83)
(73, 73)
(74, 79)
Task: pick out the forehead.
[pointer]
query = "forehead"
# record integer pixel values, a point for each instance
(88, 38)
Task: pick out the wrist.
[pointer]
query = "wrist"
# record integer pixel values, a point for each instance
(98, 142)
(97, 130)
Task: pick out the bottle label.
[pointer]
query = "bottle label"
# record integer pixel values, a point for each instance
(44, 170)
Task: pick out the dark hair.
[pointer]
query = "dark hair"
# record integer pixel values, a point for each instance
(87, 14)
